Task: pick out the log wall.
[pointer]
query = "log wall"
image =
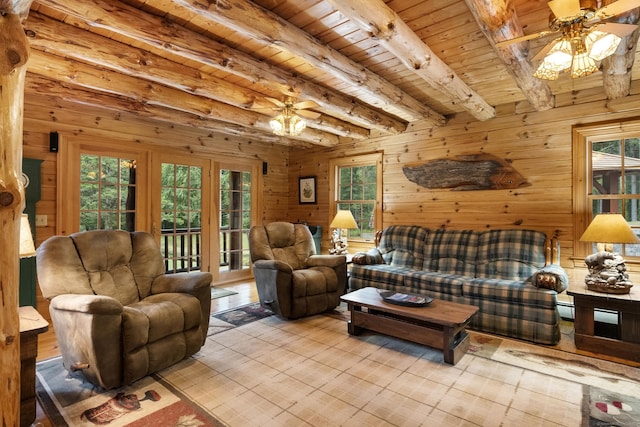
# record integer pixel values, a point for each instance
(44, 115)
(538, 145)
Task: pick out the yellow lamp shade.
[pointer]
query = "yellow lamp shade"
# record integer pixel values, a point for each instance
(609, 228)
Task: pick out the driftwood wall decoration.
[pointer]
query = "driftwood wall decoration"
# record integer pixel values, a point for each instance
(465, 173)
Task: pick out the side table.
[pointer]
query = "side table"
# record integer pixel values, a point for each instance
(627, 344)
(31, 325)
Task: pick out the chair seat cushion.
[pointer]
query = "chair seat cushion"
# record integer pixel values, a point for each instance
(157, 317)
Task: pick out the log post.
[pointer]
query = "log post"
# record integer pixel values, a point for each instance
(14, 52)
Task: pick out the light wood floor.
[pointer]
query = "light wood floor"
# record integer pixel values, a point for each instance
(48, 347)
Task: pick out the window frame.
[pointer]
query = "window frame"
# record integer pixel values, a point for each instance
(583, 136)
(355, 161)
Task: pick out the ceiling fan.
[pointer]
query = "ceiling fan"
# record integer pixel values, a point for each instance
(584, 36)
(288, 121)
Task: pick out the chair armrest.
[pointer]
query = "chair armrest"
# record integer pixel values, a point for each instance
(326, 260)
(88, 331)
(87, 304)
(272, 264)
(181, 282)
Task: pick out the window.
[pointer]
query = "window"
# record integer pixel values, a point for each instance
(357, 184)
(608, 159)
(107, 193)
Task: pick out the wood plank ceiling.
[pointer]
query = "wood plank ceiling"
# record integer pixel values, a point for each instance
(372, 66)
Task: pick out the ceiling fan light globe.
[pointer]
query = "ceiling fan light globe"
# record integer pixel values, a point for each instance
(278, 125)
(583, 65)
(546, 73)
(560, 56)
(296, 125)
(600, 44)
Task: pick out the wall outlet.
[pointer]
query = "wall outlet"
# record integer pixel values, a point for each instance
(41, 220)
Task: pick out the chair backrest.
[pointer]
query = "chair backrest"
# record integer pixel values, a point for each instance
(282, 241)
(113, 263)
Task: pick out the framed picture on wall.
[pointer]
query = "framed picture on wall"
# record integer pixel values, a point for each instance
(307, 189)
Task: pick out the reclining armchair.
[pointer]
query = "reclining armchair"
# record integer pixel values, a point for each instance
(290, 278)
(116, 315)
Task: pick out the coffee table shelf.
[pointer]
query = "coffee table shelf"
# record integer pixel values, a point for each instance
(440, 324)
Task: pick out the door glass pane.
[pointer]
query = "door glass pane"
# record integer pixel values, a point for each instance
(235, 219)
(181, 215)
(107, 193)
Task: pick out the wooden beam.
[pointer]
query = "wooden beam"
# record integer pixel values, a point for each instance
(54, 37)
(499, 22)
(82, 75)
(384, 24)
(616, 69)
(161, 34)
(13, 59)
(248, 18)
(63, 94)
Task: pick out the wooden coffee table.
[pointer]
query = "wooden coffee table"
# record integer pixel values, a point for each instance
(440, 324)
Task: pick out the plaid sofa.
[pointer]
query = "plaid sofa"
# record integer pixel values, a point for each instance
(496, 270)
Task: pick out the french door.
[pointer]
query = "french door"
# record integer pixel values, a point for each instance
(199, 209)
(238, 207)
(181, 212)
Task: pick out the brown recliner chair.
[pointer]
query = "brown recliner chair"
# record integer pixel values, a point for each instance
(291, 279)
(116, 315)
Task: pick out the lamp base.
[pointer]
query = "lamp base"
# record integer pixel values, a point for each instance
(338, 244)
(607, 273)
(618, 288)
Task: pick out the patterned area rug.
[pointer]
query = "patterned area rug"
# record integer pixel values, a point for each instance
(226, 320)
(221, 292)
(609, 388)
(69, 400)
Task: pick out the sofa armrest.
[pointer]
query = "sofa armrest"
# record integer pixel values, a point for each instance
(551, 276)
(370, 257)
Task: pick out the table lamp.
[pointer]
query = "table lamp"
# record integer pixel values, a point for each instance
(607, 270)
(343, 220)
(27, 248)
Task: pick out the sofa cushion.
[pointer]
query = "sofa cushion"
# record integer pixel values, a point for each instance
(426, 281)
(451, 252)
(381, 274)
(515, 292)
(402, 246)
(510, 254)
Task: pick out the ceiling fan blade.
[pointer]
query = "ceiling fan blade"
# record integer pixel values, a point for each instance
(308, 114)
(564, 8)
(305, 104)
(620, 30)
(544, 51)
(525, 38)
(616, 8)
(275, 101)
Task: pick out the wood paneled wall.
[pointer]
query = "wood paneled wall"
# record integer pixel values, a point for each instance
(43, 115)
(537, 144)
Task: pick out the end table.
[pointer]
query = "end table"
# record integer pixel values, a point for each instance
(627, 306)
(31, 325)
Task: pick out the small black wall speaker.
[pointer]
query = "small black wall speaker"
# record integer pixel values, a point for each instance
(264, 168)
(54, 138)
